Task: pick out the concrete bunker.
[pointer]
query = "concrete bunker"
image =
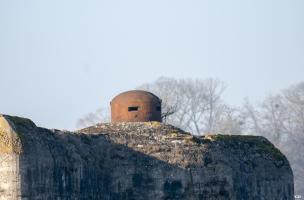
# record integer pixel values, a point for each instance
(136, 106)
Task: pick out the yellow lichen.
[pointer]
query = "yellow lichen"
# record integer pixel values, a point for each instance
(188, 141)
(173, 135)
(210, 137)
(9, 140)
(154, 124)
(191, 140)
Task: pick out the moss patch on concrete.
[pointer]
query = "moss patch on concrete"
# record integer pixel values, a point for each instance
(263, 146)
(19, 121)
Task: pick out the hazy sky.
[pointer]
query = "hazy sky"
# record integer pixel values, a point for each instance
(61, 59)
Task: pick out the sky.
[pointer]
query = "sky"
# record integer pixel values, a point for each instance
(61, 59)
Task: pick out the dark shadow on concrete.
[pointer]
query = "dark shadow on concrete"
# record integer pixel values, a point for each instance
(68, 166)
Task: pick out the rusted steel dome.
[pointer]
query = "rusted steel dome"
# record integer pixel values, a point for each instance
(136, 106)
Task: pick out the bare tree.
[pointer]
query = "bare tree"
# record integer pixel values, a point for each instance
(168, 90)
(193, 105)
(280, 118)
(100, 115)
(230, 122)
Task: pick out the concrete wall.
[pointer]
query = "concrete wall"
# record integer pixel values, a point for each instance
(9, 162)
(137, 161)
(9, 177)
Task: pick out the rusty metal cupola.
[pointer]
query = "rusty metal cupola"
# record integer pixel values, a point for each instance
(136, 106)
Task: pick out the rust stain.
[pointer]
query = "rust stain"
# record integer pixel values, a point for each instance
(136, 106)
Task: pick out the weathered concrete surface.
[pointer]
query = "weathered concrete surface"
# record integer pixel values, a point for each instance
(137, 161)
(10, 149)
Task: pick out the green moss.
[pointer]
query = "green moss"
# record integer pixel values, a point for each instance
(19, 121)
(262, 144)
(192, 140)
(86, 139)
